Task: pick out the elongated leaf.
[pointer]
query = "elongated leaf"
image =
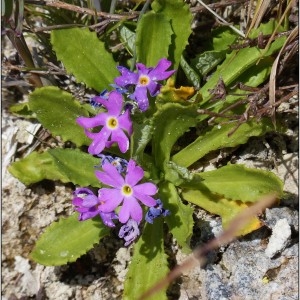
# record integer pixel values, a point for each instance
(178, 13)
(79, 167)
(142, 134)
(218, 138)
(148, 264)
(57, 111)
(220, 206)
(190, 73)
(171, 121)
(180, 222)
(85, 56)
(235, 64)
(254, 76)
(66, 165)
(207, 61)
(223, 37)
(153, 38)
(128, 38)
(240, 183)
(66, 240)
(36, 167)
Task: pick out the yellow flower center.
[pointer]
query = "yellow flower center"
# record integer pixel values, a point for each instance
(112, 123)
(127, 190)
(144, 80)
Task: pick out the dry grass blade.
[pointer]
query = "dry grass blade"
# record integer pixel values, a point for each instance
(221, 19)
(272, 81)
(260, 10)
(288, 8)
(198, 256)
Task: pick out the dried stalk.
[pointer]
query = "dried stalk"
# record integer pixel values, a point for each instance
(199, 254)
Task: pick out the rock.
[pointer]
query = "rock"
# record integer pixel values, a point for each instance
(277, 213)
(280, 238)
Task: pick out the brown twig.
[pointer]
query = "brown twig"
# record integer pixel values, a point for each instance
(84, 10)
(199, 9)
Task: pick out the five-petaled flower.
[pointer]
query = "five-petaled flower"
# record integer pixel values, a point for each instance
(129, 232)
(89, 206)
(145, 79)
(125, 191)
(113, 123)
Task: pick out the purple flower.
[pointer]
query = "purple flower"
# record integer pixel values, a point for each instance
(156, 211)
(113, 125)
(129, 232)
(125, 191)
(88, 206)
(118, 162)
(144, 80)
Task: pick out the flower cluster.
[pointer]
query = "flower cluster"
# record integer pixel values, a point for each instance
(124, 193)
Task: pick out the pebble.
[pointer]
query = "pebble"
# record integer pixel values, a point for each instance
(280, 238)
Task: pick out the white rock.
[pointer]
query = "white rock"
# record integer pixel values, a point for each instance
(30, 284)
(280, 237)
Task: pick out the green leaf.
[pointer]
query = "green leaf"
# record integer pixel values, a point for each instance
(171, 121)
(153, 38)
(240, 183)
(85, 56)
(226, 209)
(78, 167)
(148, 264)
(66, 165)
(180, 222)
(189, 72)
(235, 64)
(217, 138)
(57, 111)
(255, 75)
(177, 174)
(21, 110)
(66, 240)
(128, 38)
(207, 61)
(142, 134)
(223, 37)
(36, 167)
(178, 13)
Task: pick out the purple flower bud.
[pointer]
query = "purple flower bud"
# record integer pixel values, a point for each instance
(96, 101)
(129, 232)
(118, 162)
(156, 211)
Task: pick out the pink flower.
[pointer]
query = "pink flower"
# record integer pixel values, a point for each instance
(125, 191)
(145, 80)
(113, 124)
(87, 204)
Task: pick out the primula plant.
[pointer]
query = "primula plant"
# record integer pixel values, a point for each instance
(139, 143)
